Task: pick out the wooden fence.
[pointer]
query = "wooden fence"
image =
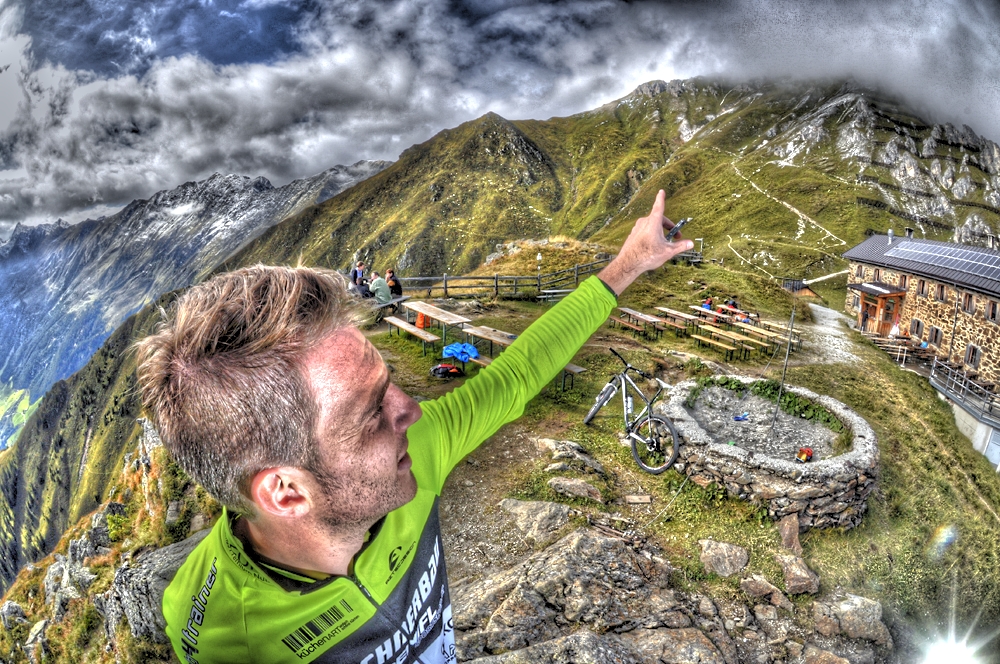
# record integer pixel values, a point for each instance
(499, 285)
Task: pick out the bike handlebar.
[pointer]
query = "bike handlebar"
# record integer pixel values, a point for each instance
(629, 366)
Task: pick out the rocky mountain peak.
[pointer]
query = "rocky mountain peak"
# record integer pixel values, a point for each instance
(24, 237)
(651, 89)
(497, 137)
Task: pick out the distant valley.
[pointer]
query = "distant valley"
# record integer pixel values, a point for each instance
(66, 288)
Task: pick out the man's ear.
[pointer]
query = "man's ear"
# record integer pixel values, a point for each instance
(282, 492)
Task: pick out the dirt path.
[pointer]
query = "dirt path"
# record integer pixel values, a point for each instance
(825, 340)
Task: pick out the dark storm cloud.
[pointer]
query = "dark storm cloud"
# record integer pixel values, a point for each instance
(111, 37)
(138, 97)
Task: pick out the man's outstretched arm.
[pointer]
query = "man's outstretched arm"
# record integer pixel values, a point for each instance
(646, 248)
(459, 421)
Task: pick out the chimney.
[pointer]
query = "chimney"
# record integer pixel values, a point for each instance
(889, 233)
(909, 232)
(991, 241)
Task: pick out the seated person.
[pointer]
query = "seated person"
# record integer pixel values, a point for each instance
(380, 289)
(395, 286)
(363, 289)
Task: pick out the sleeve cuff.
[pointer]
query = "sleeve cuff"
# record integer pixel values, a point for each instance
(610, 290)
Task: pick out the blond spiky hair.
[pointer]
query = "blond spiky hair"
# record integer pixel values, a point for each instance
(221, 377)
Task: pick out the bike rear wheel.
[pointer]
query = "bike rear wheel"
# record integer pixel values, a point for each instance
(602, 398)
(659, 447)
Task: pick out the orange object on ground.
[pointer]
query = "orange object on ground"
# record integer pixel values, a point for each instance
(421, 321)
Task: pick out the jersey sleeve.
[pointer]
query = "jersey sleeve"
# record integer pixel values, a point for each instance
(460, 421)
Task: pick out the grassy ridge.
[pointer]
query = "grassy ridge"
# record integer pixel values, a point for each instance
(71, 449)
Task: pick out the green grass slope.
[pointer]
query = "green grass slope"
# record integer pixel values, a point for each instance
(70, 450)
(771, 175)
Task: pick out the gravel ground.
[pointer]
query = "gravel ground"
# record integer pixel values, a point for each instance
(825, 340)
(716, 406)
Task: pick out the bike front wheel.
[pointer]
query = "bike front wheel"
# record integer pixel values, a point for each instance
(659, 445)
(602, 398)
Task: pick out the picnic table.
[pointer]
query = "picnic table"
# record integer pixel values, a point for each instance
(738, 312)
(646, 319)
(796, 337)
(445, 319)
(678, 319)
(744, 341)
(708, 313)
(768, 335)
(677, 315)
(381, 309)
(492, 335)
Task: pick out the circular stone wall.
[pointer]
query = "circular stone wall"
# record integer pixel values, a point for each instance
(830, 491)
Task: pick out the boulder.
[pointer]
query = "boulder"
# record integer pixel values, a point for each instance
(569, 451)
(861, 618)
(539, 521)
(36, 641)
(789, 529)
(757, 586)
(676, 646)
(723, 558)
(584, 580)
(136, 593)
(814, 655)
(59, 586)
(583, 647)
(575, 488)
(798, 577)
(11, 613)
(173, 512)
(825, 619)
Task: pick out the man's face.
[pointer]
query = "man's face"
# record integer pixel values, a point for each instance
(362, 467)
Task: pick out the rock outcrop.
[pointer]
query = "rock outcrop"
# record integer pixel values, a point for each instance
(592, 597)
(137, 591)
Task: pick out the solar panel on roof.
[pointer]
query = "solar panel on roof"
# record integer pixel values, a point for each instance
(980, 264)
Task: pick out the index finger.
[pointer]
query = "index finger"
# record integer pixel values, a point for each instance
(659, 204)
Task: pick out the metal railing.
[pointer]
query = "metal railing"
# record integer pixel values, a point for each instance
(956, 384)
(500, 285)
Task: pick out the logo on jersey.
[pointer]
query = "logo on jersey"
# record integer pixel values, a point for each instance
(396, 559)
(394, 556)
(196, 616)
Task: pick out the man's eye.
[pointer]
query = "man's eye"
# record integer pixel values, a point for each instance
(377, 414)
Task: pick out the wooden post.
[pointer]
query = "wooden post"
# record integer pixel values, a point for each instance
(496, 285)
(576, 274)
(446, 284)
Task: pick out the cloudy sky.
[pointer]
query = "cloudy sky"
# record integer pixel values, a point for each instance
(104, 101)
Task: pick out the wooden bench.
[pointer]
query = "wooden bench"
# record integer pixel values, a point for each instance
(718, 344)
(678, 328)
(570, 370)
(424, 336)
(392, 305)
(625, 323)
(482, 360)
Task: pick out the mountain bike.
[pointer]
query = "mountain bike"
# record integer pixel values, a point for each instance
(654, 439)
